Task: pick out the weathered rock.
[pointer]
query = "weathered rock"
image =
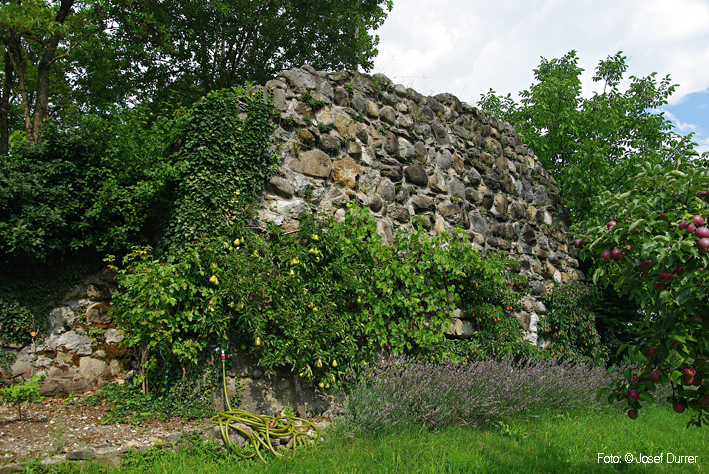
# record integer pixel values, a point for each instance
(306, 137)
(388, 115)
(395, 173)
(384, 230)
(315, 163)
(93, 369)
(345, 172)
(345, 125)
(461, 329)
(415, 174)
(114, 336)
(438, 183)
(376, 203)
(406, 150)
(440, 226)
(372, 109)
(477, 222)
(280, 186)
(453, 213)
(58, 318)
(386, 190)
(440, 133)
(329, 144)
(98, 314)
(324, 117)
(444, 160)
(399, 214)
(422, 204)
(97, 293)
(354, 149)
(456, 189)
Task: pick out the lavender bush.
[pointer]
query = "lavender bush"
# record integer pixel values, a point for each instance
(413, 393)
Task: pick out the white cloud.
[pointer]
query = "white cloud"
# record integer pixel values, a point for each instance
(683, 127)
(465, 47)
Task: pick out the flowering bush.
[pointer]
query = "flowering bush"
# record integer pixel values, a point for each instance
(409, 392)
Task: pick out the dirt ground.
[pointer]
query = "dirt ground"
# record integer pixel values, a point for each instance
(57, 429)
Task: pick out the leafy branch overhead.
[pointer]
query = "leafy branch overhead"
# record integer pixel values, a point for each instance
(591, 144)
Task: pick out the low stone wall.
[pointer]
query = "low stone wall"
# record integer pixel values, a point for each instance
(82, 351)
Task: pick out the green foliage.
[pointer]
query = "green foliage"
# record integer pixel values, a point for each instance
(570, 327)
(167, 307)
(16, 323)
(662, 268)
(188, 398)
(22, 395)
(90, 184)
(308, 99)
(228, 42)
(221, 165)
(313, 301)
(575, 137)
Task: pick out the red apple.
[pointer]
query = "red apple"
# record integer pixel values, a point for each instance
(680, 270)
(659, 286)
(689, 372)
(632, 414)
(683, 225)
(647, 264)
(652, 352)
(678, 407)
(691, 227)
(702, 232)
(606, 255)
(674, 344)
(654, 377)
(696, 319)
(698, 220)
(616, 253)
(578, 243)
(665, 276)
(705, 401)
(633, 394)
(688, 380)
(633, 379)
(612, 224)
(703, 244)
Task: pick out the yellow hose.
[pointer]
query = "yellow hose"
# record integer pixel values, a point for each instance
(262, 427)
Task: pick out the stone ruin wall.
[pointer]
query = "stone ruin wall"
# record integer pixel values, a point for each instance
(410, 158)
(346, 137)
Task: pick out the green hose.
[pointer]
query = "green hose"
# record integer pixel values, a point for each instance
(261, 428)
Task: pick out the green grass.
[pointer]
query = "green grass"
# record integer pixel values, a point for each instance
(547, 444)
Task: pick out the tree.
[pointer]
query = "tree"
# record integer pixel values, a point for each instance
(192, 48)
(651, 244)
(593, 144)
(35, 36)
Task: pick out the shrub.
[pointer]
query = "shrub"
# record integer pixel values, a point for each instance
(409, 392)
(21, 395)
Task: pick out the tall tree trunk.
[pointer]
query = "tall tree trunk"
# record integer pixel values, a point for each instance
(41, 108)
(5, 107)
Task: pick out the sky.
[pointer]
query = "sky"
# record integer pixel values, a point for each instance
(466, 47)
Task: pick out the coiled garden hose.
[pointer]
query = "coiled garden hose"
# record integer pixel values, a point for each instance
(261, 428)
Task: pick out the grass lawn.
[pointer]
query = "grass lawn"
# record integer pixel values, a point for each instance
(547, 444)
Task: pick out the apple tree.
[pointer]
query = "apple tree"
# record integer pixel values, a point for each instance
(651, 243)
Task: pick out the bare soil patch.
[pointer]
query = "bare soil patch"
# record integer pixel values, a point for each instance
(56, 428)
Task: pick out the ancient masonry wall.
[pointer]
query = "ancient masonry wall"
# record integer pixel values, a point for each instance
(344, 137)
(350, 137)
